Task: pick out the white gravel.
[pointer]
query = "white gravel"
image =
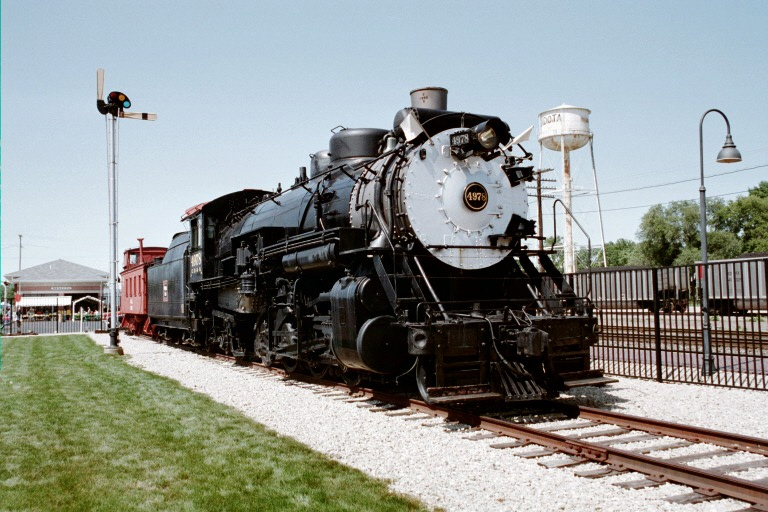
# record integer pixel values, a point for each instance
(445, 470)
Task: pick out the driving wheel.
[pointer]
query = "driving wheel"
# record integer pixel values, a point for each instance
(318, 369)
(261, 341)
(425, 377)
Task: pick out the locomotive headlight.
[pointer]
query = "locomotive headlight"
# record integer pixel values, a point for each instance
(482, 140)
(486, 136)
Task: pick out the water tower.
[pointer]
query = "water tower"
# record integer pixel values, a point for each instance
(565, 129)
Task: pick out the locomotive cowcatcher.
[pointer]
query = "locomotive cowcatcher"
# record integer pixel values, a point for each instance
(402, 253)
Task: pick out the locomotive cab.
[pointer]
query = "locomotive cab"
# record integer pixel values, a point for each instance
(211, 225)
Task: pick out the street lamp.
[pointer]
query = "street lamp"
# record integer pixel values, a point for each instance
(728, 155)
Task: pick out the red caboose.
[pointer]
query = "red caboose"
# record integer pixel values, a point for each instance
(133, 295)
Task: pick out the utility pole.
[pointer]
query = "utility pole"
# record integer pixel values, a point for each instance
(539, 197)
(16, 293)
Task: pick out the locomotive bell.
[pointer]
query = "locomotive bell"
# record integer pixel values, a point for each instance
(321, 161)
(247, 284)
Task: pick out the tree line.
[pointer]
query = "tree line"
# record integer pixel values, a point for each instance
(670, 235)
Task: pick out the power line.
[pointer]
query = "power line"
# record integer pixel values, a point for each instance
(650, 205)
(680, 181)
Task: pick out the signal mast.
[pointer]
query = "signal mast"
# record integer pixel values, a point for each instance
(113, 109)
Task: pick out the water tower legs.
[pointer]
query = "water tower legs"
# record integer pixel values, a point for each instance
(570, 260)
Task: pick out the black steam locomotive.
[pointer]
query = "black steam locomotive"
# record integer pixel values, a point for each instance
(401, 253)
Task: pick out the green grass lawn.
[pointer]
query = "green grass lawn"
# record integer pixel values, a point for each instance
(80, 430)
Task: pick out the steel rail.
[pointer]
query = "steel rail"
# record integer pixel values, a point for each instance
(690, 433)
(659, 470)
(683, 333)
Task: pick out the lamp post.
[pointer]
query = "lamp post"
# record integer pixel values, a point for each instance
(729, 154)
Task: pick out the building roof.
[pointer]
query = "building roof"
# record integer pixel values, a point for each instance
(58, 271)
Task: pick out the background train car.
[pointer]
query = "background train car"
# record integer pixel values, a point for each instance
(635, 288)
(737, 285)
(166, 290)
(133, 293)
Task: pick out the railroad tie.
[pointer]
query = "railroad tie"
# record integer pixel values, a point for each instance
(630, 439)
(385, 408)
(510, 444)
(697, 496)
(642, 483)
(575, 426)
(400, 412)
(419, 416)
(484, 435)
(333, 393)
(563, 463)
(605, 433)
(743, 466)
(704, 455)
(535, 454)
(458, 427)
(357, 399)
(599, 473)
(436, 424)
(663, 447)
(370, 403)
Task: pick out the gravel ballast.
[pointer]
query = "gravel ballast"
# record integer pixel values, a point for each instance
(445, 470)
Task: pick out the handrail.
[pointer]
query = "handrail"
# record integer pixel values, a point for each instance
(589, 240)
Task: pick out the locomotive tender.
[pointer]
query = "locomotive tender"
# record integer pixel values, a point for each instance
(401, 253)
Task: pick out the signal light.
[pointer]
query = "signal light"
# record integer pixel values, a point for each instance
(119, 100)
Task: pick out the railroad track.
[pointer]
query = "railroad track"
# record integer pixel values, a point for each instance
(645, 333)
(598, 436)
(591, 436)
(602, 437)
(582, 442)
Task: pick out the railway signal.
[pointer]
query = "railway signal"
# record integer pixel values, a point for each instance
(114, 108)
(119, 99)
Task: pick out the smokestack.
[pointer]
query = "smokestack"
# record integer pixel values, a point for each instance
(430, 97)
(141, 250)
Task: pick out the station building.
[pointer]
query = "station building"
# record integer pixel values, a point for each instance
(58, 288)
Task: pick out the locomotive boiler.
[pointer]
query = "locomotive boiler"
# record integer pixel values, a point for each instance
(401, 255)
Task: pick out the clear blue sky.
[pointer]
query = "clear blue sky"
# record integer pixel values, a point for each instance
(245, 91)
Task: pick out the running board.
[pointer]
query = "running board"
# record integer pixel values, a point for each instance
(599, 382)
(586, 378)
(445, 395)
